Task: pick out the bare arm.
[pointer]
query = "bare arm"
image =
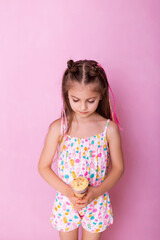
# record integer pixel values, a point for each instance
(44, 165)
(116, 154)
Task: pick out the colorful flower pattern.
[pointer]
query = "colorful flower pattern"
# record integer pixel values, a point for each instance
(88, 157)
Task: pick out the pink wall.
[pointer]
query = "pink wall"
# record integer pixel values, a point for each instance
(36, 40)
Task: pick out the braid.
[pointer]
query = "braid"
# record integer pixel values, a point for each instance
(72, 66)
(93, 72)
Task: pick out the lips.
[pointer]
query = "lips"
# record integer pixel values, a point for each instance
(83, 112)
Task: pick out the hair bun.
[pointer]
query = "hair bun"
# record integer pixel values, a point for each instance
(72, 67)
(93, 70)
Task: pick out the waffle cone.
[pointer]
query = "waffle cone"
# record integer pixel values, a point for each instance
(79, 186)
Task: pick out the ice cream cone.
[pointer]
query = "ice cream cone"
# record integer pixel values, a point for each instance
(79, 186)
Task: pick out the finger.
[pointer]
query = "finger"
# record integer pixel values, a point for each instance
(82, 201)
(77, 208)
(74, 199)
(80, 207)
(81, 204)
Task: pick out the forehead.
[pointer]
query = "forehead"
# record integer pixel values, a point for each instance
(80, 90)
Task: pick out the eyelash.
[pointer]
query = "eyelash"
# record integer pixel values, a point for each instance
(88, 101)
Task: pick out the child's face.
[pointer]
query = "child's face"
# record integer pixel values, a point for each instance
(83, 100)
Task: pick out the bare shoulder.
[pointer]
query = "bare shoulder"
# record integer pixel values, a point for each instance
(55, 128)
(51, 143)
(55, 125)
(112, 131)
(114, 141)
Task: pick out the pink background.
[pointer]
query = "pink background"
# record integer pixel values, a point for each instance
(36, 40)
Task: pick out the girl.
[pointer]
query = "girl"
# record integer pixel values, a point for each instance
(86, 139)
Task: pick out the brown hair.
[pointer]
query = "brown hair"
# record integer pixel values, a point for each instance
(85, 72)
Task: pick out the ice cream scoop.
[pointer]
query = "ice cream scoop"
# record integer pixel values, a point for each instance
(79, 186)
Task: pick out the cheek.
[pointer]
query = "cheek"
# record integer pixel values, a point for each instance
(96, 105)
(73, 105)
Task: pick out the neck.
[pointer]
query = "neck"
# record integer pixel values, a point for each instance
(80, 119)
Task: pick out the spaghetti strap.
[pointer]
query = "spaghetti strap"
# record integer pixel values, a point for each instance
(105, 130)
(63, 123)
(61, 126)
(63, 129)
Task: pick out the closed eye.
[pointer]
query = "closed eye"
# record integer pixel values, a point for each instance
(88, 101)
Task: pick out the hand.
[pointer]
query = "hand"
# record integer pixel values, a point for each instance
(91, 194)
(71, 196)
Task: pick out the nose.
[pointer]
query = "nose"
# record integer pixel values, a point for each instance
(83, 106)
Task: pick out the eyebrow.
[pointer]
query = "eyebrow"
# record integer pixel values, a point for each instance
(87, 98)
